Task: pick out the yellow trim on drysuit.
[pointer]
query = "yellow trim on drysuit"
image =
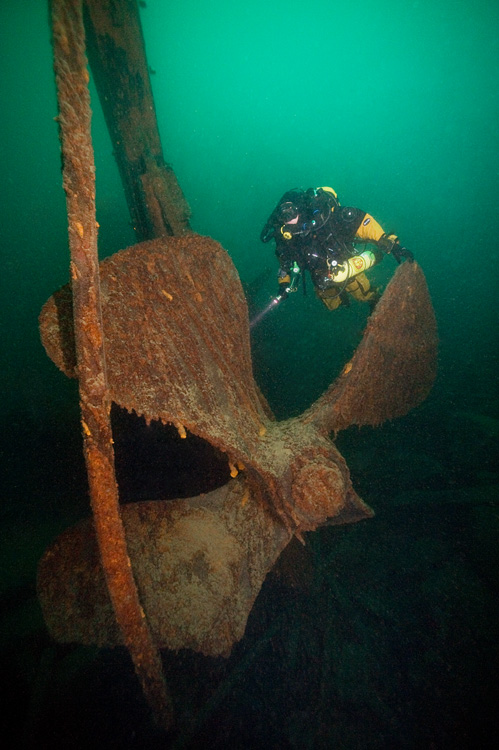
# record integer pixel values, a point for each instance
(359, 288)
(369, 230)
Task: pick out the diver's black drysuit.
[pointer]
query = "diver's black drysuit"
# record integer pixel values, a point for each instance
(312, 230)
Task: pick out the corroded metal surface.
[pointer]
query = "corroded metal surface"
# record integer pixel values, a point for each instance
(198, 565)
(115, 47)
(176, 329)
(177, 339)
(394, 366)
(71, 73)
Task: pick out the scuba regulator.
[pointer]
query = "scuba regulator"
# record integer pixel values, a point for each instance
(293, 284)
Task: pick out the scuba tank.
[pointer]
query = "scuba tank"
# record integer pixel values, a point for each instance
(340, 272)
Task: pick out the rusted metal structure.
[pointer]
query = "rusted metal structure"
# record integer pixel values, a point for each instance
(162, 329)
(74, 116)
(115, 48)
(177, 336)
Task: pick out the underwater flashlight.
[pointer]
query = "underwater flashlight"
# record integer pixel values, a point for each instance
(273, 303)
(293, 285)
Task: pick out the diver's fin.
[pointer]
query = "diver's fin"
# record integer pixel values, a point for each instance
(394, 366)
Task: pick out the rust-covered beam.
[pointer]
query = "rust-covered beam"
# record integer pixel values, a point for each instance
(116, 52)
(71, 73)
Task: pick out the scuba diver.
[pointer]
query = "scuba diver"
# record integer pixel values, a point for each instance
(313, 232)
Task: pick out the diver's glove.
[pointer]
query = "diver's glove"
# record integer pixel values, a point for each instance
(400, 253)
(389, 243)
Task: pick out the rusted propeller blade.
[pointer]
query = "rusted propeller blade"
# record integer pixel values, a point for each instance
(198, 563)
(177, 339)
(394, 366)
(177, 343)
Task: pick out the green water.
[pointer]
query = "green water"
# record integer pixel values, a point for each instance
(393, 104)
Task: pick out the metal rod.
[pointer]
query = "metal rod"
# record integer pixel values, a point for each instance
(74, 117)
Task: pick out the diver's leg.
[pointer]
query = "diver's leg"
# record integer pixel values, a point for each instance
(332, 297)
(361, 290)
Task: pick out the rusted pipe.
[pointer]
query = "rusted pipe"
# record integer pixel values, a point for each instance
(74, 117)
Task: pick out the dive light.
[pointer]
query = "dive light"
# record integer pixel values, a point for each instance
(293, 286)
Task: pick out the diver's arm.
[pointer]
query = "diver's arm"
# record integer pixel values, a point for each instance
(285, 262)
(370, 231)
(284, 256)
